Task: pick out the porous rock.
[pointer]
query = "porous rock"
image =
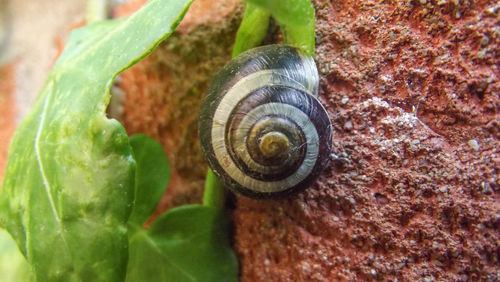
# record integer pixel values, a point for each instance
(405, 197)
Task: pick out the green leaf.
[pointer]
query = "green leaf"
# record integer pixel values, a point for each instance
(13, 266)
(252, 30)
(69, 183)
(152, 176)
(296, 18)
(189, 243)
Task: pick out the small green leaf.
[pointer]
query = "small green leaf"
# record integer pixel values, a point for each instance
(69, 184)
(296, 18)
(13, 265)
(152, 176)
(252, 30)
(189, 243)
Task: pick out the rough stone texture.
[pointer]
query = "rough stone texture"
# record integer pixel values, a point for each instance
(412, 192)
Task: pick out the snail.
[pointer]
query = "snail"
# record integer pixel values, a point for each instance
(262, 129)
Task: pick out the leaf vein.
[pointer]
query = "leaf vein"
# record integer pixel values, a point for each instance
(155, 246)
(46, 183)
(45, 180)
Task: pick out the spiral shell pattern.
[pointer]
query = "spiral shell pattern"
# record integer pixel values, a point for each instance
(262, 129)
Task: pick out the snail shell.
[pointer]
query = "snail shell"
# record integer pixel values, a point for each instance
(262, 129)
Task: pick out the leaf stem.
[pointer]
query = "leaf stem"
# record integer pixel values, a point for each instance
(295, 17)
(97, 10)
(215, 194)
(252, 30)
(297, 25)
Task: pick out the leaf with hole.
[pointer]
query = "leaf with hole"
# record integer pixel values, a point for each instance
(69, 183)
